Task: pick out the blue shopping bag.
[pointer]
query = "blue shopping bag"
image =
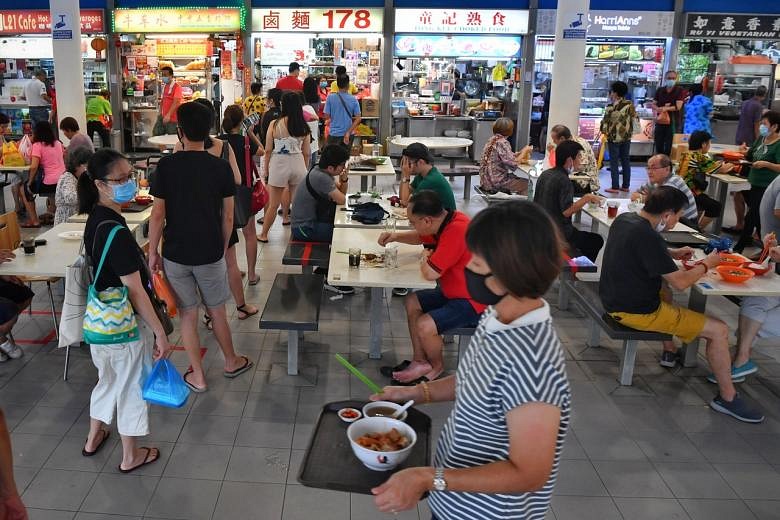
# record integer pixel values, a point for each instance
(165, 386)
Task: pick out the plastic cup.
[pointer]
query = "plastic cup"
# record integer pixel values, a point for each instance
(28, 244)
(612, 209)
(354, 257)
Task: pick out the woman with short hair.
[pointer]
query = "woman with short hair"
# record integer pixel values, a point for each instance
(66, 196)
(499, 162)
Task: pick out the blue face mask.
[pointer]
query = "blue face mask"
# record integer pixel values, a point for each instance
(124, 192)
(670, 83)
(323, 84)
(763, 130)
(166, 79)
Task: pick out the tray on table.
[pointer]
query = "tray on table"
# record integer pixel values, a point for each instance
(329, 462)
(136, 208)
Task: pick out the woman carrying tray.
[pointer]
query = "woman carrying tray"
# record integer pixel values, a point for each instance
(498, 454)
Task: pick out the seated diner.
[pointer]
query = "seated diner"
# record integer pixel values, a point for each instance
(496, 172)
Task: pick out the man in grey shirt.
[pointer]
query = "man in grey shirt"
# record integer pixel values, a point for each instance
(316, 198)
(659, 173)
(769, 210)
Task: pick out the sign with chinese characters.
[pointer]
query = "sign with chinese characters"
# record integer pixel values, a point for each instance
(475, 21)
(731, 26)
(39, 21)
(178, 20)
(442, 46)
(634, 24)
(181, 47)
(317, 20)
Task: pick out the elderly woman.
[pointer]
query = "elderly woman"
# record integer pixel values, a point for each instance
(498, 161)
(66, 198)
(498, 454)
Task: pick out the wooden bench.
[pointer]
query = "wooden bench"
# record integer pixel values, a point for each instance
(307, 254)
(293, 305)
(587, 297)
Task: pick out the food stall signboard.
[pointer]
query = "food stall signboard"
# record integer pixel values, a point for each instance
(466, 46)
(631, 24)
(475, 21)
(39, 21)
(317, 20)
(178, 20)
(731, 26)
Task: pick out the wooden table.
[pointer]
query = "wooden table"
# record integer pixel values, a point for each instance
(407, 274)
(51, 259)
(721, 184)
(599, 217)
(343, 217)
(385, 169)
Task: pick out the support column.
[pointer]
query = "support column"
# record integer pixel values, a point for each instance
(114, 76)
(68, 67)
(526, 81)
(386, 75)
(679, 28)
(569, 66)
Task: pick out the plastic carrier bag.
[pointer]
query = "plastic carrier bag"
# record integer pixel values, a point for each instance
(165, 386)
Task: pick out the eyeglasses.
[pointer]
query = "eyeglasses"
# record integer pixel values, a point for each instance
(656, 167)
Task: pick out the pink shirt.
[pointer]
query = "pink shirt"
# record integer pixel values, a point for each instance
(51, 160)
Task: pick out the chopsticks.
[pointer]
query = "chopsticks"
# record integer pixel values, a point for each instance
(357, 373)
(765, 251)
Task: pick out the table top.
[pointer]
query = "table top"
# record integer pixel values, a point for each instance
(381, 169)
(51, 259)
(407, 274)
(600, 214)
(14, 168)
(131, 217)
(433, 142)
(343, 219)
(168, 140)
(720, 148)
(729, 179)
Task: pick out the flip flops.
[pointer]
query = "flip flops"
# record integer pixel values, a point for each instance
(144, 463)
(86, 453)
(195, 389)
(240, 370)
(388, 371)
(244, 314)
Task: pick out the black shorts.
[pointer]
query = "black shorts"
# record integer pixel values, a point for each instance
(708, 205)
(15, 292)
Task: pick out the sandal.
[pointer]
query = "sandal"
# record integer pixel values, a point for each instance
(244, 314)
(27, 225)
(86, 453)
(240, 370)
(254, 282)
(196, 389)
(207, 322)
(146, 459)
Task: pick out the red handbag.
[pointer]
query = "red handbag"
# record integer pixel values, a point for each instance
(253, 180)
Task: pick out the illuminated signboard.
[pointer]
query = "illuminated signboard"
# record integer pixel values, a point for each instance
(179, 20)
(473, 46)
(317, 20)
(475, 21)
(39, 21)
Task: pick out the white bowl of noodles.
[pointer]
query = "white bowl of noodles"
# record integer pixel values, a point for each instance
(381, 443)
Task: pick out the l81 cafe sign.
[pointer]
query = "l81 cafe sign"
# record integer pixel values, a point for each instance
(39, 21)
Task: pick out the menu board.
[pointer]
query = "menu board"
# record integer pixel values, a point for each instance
(625, 52)
(476, 46)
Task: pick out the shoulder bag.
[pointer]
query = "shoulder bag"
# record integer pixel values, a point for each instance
(253, 180)
(109, 317)
(242, 201)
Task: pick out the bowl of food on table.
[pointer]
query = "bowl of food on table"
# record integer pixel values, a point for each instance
(383, 409)
(731, 259)
(349, 415)
(759, 269)
(381, 443)
(734, 273)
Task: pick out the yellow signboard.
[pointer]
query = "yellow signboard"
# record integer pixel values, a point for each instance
(178, 47)
(178, 20)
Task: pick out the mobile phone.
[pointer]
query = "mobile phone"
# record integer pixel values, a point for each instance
(40, 241)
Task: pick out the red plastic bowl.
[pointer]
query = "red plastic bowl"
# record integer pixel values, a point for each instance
(758, 269)
(731, 259)
(734, 274)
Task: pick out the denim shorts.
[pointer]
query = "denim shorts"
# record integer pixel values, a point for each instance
(447, 314)
(188, 280)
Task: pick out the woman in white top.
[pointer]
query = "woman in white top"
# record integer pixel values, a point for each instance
(289, 138)
(66, 198)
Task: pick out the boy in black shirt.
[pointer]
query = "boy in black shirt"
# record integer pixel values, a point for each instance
(193, 193)
(637, 262)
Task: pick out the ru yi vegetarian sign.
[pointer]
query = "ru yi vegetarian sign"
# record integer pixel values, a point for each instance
(474, 21)
(39, 21)
(732, 26)
(348, 20)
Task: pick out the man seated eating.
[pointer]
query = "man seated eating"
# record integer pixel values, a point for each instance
(659, 173)
(636, 264)
(431, 312)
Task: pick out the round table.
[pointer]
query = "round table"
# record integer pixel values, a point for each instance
(167, 140)
(433, 142)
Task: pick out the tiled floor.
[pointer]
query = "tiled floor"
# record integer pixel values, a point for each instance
(652, 451)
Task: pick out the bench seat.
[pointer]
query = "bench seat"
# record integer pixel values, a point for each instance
(307, 254)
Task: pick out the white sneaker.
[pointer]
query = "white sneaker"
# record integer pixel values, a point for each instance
(11, 349)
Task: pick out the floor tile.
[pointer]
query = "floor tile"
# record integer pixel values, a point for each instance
(101, 516)
(579, 477)
(23, 476)
(277, 406)
(302, 503)
(206, 461)
(120, 494)
(632, 479)
(765, 509)
(220, 403)
(717, 510)
(651, 509)
(265, 433)
(32, 450)
(68, 454)
(585, 508)
(209, 429)
(766, 444)
(239, 500)
(660, 446)
(47, 420)
(694, 480)
(758, 481)
(58, 489)
(184, 499)
(725, 447)
(572, 449)
(48, 514)
(609, 445)
(267, 465)
(362, 507)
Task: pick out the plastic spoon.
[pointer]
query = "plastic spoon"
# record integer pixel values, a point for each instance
(398, 413)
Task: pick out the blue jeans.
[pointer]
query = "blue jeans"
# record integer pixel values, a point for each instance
(315, 232)
(619, 154)
(38, 114)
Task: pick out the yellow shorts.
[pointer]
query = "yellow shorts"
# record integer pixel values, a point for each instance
(669, 319)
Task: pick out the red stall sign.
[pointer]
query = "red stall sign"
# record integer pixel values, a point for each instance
(39, 21)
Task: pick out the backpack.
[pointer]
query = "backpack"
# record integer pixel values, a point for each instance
(369, 213)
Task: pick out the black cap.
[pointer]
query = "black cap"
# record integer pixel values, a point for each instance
(418, 151)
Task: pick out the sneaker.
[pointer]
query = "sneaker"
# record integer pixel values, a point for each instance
(11, 349)
(400, 291)
(737, 408)
(669, 359)
(737, 373)
(340, 289)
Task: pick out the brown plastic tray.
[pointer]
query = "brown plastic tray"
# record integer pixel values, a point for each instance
(330, 464)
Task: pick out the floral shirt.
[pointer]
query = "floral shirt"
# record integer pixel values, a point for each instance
(697, 114)
(498, 163)
(695, 164)
(588, 165)
(65, 198)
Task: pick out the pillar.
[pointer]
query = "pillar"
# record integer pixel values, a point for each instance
(569, 66)
(527, 84)
(673, 53)
(386, 75)
(68, 67)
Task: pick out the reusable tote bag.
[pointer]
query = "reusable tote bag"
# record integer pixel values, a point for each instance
(109, 317)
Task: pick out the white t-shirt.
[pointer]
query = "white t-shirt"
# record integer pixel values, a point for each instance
(34, 91)
(310, 115)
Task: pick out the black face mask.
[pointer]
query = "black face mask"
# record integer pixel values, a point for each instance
(478, 289)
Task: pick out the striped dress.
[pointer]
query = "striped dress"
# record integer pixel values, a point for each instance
(505, 366)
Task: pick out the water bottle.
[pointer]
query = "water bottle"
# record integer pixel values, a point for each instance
(376, 149)
(530, 187)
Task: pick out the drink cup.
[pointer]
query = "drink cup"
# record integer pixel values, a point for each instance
(354, 257)
(612, 209)
(28, 244)
(391, 257)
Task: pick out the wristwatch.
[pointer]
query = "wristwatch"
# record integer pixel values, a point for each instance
(404, 181)
(439, 484)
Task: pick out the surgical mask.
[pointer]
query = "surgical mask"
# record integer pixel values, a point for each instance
(661, 226)
(670, 83)
(124, 192)
(763, 130)
(166, 79)
(323, 84)
(478, 289)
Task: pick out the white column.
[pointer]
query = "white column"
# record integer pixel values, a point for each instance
(68, 67)
(569, 66)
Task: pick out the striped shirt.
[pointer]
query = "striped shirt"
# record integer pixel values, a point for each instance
(675, 181)
(505, 367)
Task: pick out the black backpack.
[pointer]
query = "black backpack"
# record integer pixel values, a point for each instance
(368, 213)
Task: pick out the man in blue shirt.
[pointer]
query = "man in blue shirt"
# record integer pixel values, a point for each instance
(343, 112)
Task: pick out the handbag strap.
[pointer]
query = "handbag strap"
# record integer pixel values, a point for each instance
(248, 171)
(348, 111)
(110, 239)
